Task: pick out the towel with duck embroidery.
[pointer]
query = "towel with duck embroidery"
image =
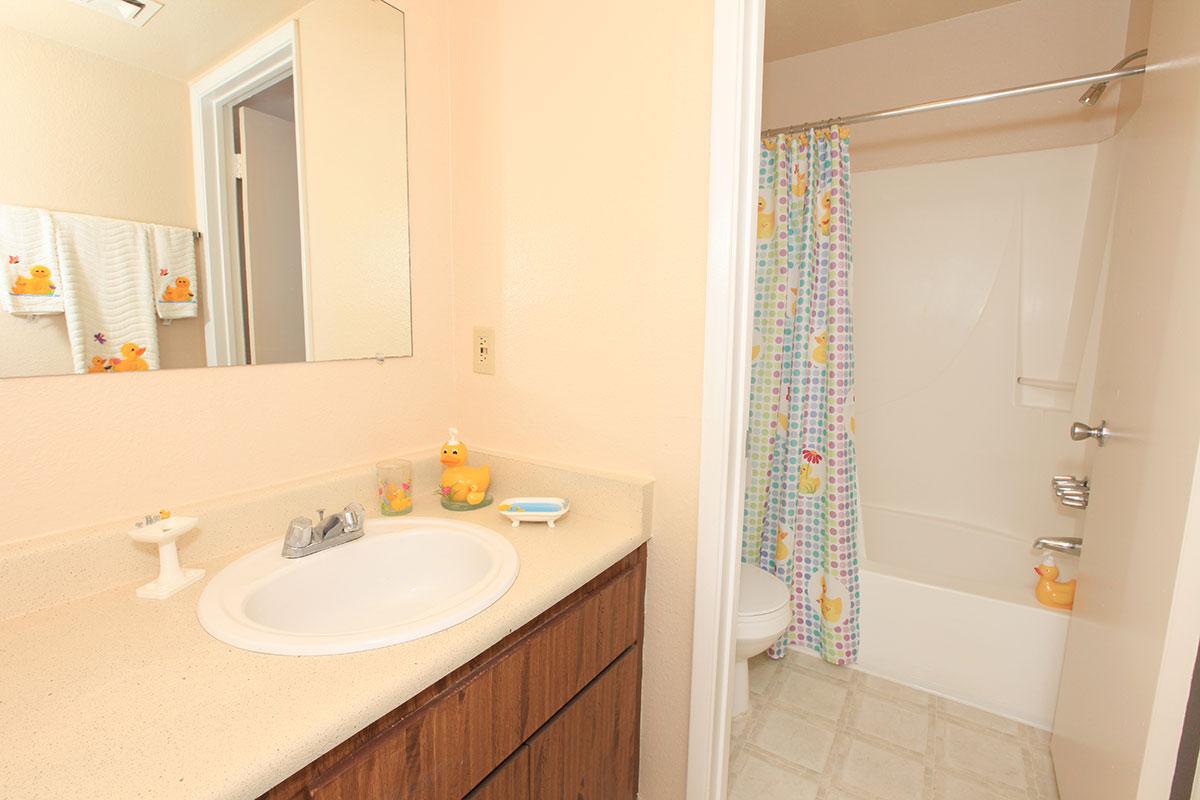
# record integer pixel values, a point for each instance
(32, 283)
(109, 293)
(173, 265)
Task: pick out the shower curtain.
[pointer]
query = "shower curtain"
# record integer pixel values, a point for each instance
(801, 512)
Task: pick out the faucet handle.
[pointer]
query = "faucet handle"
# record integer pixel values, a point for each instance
(299, 533)
(353, 515)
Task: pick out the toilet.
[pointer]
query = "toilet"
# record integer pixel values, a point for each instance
(764, 612)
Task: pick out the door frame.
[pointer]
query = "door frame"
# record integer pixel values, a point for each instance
(213, 97)
(728, 327)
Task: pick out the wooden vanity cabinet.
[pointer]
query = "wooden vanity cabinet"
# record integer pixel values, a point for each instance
(552, 711)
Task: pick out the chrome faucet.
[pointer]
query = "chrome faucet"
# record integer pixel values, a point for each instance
(305, 537)
(1071, 545)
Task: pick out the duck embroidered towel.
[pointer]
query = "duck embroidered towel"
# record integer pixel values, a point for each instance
(173, 266)
(32, 283)
(108, 291)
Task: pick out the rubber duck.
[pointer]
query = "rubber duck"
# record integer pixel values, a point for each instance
(766, 218)
(99, 365)
(180, 291)
(40, 281)
(21, 285)
(826, 213)
(809, 483)
(820, 352)
(1050, 590)
(131, 359)
(460, 483)
(831, 607)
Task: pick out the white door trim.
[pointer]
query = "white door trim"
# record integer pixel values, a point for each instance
(733, 191)
(263, 63)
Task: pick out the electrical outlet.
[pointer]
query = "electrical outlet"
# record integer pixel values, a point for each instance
(484, 351)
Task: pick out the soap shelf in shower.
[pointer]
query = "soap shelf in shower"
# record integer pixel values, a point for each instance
(1041, 383)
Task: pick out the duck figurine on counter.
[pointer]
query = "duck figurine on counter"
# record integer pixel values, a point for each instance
(463, 488)
(1050, 590)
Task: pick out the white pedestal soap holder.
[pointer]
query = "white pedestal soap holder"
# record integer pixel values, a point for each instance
(171, 577)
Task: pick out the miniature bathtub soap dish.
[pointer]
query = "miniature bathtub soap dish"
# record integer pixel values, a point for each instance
(171, 577)
(534, 509)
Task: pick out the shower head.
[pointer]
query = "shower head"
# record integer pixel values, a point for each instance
(1093, 93)
(1096, 90)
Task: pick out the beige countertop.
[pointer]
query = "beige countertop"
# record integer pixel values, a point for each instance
(114, 696)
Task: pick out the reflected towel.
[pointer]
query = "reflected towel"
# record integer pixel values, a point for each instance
(109, 293)
(173, 266)
(32, 281)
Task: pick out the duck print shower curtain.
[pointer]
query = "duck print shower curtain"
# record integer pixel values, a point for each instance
(801, 514)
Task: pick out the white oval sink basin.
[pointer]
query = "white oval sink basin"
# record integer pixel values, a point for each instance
(404, 579)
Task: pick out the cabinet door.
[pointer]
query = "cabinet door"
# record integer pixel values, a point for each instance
(589, 750)
(510, 781)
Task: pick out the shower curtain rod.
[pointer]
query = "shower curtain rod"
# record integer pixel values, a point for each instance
(971, 99)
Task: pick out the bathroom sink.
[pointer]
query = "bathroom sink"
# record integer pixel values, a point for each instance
(404, 579)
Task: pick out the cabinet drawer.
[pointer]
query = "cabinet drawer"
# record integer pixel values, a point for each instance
(446, 747)
(589, 751)
(510, 781)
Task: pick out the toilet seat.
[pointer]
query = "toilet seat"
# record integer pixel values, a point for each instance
(760, 594)
(764, 613)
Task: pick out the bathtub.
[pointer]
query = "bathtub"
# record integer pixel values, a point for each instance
(949, 608)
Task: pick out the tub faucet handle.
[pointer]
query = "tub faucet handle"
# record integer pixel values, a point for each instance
(1081, 432)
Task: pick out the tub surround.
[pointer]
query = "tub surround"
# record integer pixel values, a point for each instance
(183, 710)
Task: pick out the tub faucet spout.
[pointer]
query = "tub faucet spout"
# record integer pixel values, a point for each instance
(1071, 545)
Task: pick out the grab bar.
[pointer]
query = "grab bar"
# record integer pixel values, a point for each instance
(1071, 545)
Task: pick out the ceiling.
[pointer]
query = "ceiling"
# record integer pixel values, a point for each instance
(803, 26)
(183, 40)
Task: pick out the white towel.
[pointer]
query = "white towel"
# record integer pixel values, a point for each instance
(32, 280)
(173, 265)
(109, 293)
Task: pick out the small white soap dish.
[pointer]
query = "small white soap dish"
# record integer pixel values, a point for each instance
(171, 577)
(534, 509)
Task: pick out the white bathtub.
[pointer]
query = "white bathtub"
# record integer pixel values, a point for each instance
(949, 608)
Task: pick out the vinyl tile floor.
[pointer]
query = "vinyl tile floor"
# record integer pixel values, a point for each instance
(818, 732)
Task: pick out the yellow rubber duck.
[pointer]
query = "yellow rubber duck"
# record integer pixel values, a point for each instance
(766, 218)
(131, 359)
(820, 351)
(180, 291)
(831, 607)
(1052, 592)
(463, 484)
(809, 483)
(21, 285)
(826, 212)
(99, 365)
(40, 281)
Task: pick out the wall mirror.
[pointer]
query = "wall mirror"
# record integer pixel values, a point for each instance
(191, 183)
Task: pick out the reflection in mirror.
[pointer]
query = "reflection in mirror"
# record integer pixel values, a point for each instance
(215, 184)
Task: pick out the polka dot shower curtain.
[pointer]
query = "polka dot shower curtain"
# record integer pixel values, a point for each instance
(801, 515)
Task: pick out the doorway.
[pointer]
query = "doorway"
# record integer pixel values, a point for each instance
(275, 323)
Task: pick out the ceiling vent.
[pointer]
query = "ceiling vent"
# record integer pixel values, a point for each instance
(133, 12)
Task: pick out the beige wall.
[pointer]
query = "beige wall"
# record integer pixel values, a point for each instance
(356, 177)
(580, 197)
(93, 136)
(80, 451)
(1026, 42)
